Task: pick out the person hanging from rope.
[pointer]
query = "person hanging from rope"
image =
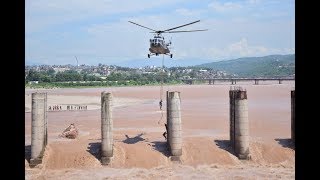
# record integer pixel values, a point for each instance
(165, 133)
(160, 104)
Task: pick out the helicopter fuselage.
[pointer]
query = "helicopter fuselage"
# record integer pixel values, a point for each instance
(158, 46)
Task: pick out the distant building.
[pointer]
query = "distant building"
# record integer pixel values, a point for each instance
(95, 74)
(58, 69)
(33, 82)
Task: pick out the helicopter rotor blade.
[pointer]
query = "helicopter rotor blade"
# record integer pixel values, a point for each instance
(181, 26)
(142, 26)
(186, 31)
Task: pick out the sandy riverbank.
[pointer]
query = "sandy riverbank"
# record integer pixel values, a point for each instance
(205, 123)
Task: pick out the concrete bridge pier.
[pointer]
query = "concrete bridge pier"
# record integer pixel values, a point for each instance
(231, 117)
(280, 81)
(256, 82)
(239, 123)
(293, 108)
(210, 81)
(106, 128)
(46, 123)
(174, 131)
(39, 137)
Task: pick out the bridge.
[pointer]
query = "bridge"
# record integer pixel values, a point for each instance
(235, 80)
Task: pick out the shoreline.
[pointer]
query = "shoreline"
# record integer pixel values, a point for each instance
(205, 124)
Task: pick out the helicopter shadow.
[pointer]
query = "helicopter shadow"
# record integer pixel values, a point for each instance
(225, 145)
(162, 147)
(27, 152)
(286, 143)
(133, 140)
(95, 149)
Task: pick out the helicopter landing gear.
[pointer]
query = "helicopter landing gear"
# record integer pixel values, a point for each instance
(151, 54)
(170, 55)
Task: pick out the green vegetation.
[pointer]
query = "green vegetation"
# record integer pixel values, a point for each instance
(95, 84)
(106, 76)
(267, 66)
(72, 78)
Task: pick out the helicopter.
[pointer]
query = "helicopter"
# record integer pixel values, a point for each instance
(158, 44)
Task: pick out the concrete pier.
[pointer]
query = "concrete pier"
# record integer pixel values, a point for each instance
(39, 136)
(106, 128)
(46, 122)
(174, 136)
(167, 98)
(293, 108)
(231, 115)
(239, 123)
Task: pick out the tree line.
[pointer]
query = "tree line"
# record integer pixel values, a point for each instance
(65, 79)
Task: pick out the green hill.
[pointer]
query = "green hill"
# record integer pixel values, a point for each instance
(266, 66)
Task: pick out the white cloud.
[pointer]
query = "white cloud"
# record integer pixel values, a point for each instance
(224, 7)
(116, 39)
(188, 12)
(91, 8)
(243, 49)
(184, 12)
(41, 14)
(240, 47)
(253, 1)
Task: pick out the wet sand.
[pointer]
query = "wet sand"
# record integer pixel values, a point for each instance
(205, 124)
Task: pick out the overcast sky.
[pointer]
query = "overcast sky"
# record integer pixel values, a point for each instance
(98, 31)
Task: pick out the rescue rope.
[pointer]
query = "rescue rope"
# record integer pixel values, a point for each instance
(162, 74)
(161, 89)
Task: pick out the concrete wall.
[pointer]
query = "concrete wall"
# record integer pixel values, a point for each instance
(293, 108)
(168, 134)
(46, 122)
(239, 123)
(39, 136)
(231, 117)
(174, 124)
(106, 128)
